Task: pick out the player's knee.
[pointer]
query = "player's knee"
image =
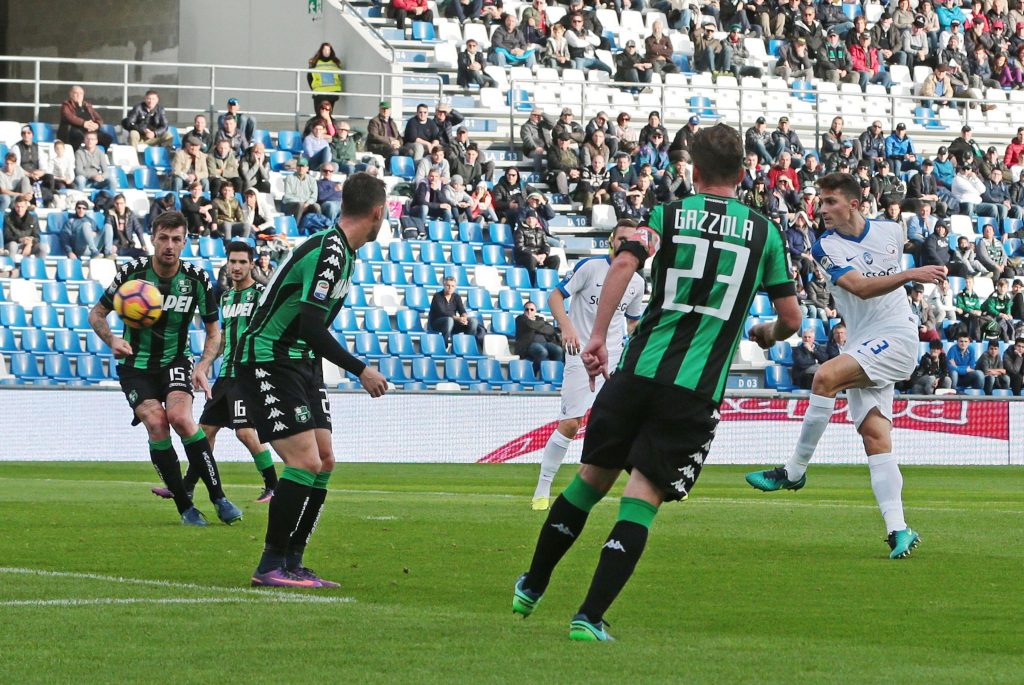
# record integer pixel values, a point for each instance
(569, 427)
(825, 382)
(600, 479)
(182, 422)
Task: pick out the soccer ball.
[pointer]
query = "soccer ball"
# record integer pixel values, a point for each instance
(138, 303)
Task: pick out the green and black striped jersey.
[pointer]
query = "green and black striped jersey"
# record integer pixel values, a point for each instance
(715, 254)
(236, 308)
(186, 294)
(317, 272)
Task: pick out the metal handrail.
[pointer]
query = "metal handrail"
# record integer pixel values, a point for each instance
(345, 6)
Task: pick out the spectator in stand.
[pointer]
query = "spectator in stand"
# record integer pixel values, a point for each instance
(782, 201)
(202, 133)
(980, 66)
(710, 53)
(593, 186)
(1017, 310)
(602, 123)
(198, 211)
(509, 46)
(944, 171)
(538, 203)
(916, 44)
(810, 172)
(469, 167)
(962, 364)
(465, 10)
(676, 183)
(536, 339)
(90, 169)
(993, 372)
(446, 119)
(328, 193)
(758, 139)
(832, 17)
(458, 199)
(808, 357)
(483, 211)
(324, 81)
(834, 61)
(583, 44)
(903, 17)
(809, 204)
(925, 315)
(948, 13)
(78, 117)
(631, 67)
(621, 178)
(919, 227)
(865, 62)
(509, 195)
(228, 211)
(421, 133)
(659, 50)
(935, 247)
(991, 161)
(684, 136)
(785, 139)
(448, 315)
(536, 24)
(887, 186)
(626, 137)
(999, 308)
(810, 29)
(872, 142)
(159, 205)
(246, 122)
(751, 170)
(531, 246)
(925, 188)
(221, 166)
(964, 259)
(190, 166)
(254, 169)
(889, 41)
(940, 299)
(256, 218)
(739, 62)
(429, 202)
(563, 164)
(471, 67)
(264, 269)
(1013, 362)
(1014, 155)
(818, 302)
(794, 62)
(125, 229)
(654, 153)
(845, 160)
(932, 28)
(435, 161)
(325, 116)
(964, 148)
(654, 124)
(32, 163)
(590, 21)
(757, 197)
(62, 166)
(832, 141)
(782, 169)
(799, 241)
(556, 50)
(997, 194)
(899, 150)
(22, 237)
(968, 311)
(768, 22)
(635, 208)
(567, 126)
(932, 371)
(992, 254)
(343, 149)
(81, 238)
(417, 10)
(383, 137)
(594, 145)
(230, 132)
(837, 340)
(300, 191)
(967, 190)
(147, 123)
(535, 137)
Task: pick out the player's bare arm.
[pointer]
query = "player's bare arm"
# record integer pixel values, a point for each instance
(866, 288)
(787, 323)
(98, 320)
(570, 338)
(211, 350)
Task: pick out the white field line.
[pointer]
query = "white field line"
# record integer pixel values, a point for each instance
(242, 594)
(697, 500)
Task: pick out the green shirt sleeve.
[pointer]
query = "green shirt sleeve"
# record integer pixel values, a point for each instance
(775, 260)
(656, 220)
(325, 284)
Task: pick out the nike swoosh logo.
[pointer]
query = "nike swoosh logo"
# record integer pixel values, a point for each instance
(599, 285)
(850, 259)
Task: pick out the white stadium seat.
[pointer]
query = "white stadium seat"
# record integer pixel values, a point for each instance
(497, 346)
(24, 292)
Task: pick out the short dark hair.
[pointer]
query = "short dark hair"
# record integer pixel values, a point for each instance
(119, 196)
(717, 153)
(169, 221)
(152, 92)
(361, 194)
(240, 246)
(844, 184)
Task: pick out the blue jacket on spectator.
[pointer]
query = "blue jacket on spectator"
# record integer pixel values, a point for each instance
(944, 172)
(648, 154)
(918, 229)
(948, 14)
(959, 359)
(898, 147)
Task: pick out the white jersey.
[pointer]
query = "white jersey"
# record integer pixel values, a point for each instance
(583, 286)
(876, 252)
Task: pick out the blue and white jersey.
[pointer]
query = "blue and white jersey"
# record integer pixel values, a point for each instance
(876, 252)
(582, 286)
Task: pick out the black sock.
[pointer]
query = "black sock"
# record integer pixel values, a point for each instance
(269, 477)
(191, 477)
(200, 459)
(619, 555)
(165, 461)
(562, 527)
(304, 529)
(285, 509)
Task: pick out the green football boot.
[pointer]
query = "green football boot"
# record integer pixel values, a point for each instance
(582, 630)
(524, 601)
(775, 479)
(901, 542)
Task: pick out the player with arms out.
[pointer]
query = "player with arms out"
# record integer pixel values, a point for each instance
(583, 286)
(155, 364)
(280, 374)
(862, 258)
(227, 407)
(656, 416)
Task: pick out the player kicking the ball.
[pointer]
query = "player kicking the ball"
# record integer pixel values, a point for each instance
(656, 416)
(280, 374)
(155, 365)
(862, 258)
(227, 408)
(583, 286)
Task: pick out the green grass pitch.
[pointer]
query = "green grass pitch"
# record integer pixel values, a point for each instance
(736, 586)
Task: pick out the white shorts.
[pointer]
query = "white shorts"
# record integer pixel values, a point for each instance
(886, 360)
(577, 397)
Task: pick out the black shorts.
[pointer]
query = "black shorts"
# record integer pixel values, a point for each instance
(140, 385)
(227, 407)
(284, 398)
(663, 431)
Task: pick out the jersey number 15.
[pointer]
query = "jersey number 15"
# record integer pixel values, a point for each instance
(731, 280)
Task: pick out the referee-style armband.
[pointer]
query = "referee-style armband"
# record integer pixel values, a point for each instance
(635, 248)
(780, 290)
(312, 330)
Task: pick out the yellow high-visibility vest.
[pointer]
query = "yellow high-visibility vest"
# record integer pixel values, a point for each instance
(323, 82)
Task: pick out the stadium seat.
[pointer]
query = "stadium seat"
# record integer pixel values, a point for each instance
(26, 367)
(440, 231)
(425, 275)
(42, 132)
(90, 368)
(211, 248)
(518, 278)
(432, 253)
(157, 158)
(489, 371)
(761, 306)
(67, 342)
(7, 342)
(55, 292)
(408, 321)
(393, 369)
(285, 225)
(58, 367)
(552, 371)
(33, 340)
(356, 298)
(12, 315)
(94, 344)
(377, 321)
(424, 370)
(479, 300)
(346, 322)
(819, 329)
(777, 378)
(500, 234)
(432, 345)
(782, 353)
(146, 178)
(457, 371)
(417, 298)
(362, 274)
(44, 317)
(401, 345)
(465, 346)
(33, 268)
(494, 255)
(279, 159)
(290, 141)
(547, 279)
(262, 136)
(463, 254)
(504, 323)
(400, 252)
(521, 371)
(459, 273)
(403, 167)
(393, 275)
(367, 345)
(371, 252)
(471, 233)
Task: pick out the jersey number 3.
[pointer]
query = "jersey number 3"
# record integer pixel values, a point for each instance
(731, 280)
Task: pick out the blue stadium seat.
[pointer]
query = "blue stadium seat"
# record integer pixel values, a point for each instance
(552, 371)
(55, 292)
(146, 178)
(547, 278)
(377, 321)
(211, 248)
(262, 136)
(415, 385)
(393, 274)
(907, 261)
(7, 343)
(819, 329)
(457, 371)
(494, 255)
(980, 222)
(956, 284)
(761, 306)
(926, 118)
(501, 234)
(510, 301)
(782, 353)
(408, 321)
(91, 369)
(1011, 225)
(518, 278)
(7, 264)
(804, 90)
(425, 275)
(424, 370)
(440, 231)
(464, 345)
(393, 369)
(974, 392)
(400, 252)
(400, 345)
(521, 371)
(432, 253)
(363, 274)
(346, 322)
(459, 273)
(479, 300)
(26, 367)
(432, 345)
(44, 317)
(403, 167)
(12, 315)
(356, 297)
(279, 159)
(417, 298)
(1002, 392)
(367, 345)
(370, 252)
(423, 30)
(54, 222)
(42, 132)
(33, 268)
(462, 253)
(118, 179)
(67, 342)
(777, 378)
(471, 233)
(196, 339)
(33, 340)
(95, 346)
(285, 224)
(58, 367)
(504, 323)
(290, 141)
(157, 158)
(489, 371)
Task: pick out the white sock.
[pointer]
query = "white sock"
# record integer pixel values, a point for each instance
(887, 483)
(554, 453)
(819, 413)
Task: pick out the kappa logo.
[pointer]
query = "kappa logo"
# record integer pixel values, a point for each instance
(266, 386)
(261, 373)
(340, 290)
(275, 413)
(614, 544)
(687, 471)
(563, 529)
(333, 261)
(679, 485)
(302, 414)
(270, 399)
(334, 247)
(328, 274)
(279, 427)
